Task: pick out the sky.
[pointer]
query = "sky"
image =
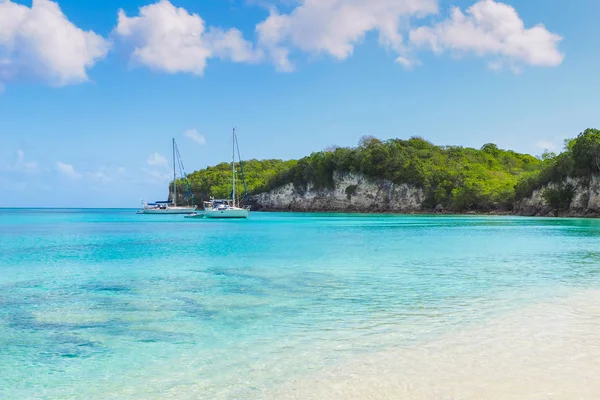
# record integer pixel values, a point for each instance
(92, 92)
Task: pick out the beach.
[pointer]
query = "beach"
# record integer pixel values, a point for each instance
(545, 351)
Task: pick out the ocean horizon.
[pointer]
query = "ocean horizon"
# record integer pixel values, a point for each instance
(108, 304)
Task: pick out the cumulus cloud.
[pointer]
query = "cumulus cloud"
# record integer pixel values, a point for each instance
(194, 136)
(40, 42)
(157, 160)
(489, 28)
(67, 170)
(334, 27)
(170, 39)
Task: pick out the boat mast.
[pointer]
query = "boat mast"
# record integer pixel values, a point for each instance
(174, 178)
(233, 168)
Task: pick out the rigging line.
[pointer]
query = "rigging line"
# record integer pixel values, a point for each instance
(187, 184)
(237, 144)
(182, 172)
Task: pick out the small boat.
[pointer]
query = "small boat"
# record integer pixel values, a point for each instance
(229, 208)
(170, 206)
(194, 215)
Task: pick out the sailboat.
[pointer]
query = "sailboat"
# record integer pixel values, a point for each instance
(170, 206)
(226, 208)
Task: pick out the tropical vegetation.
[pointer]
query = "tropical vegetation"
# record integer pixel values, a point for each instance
(580, 159)
(453, 177)
(215, 181)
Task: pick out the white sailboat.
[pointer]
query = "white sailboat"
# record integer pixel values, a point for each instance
(169, 206)
(225, 208)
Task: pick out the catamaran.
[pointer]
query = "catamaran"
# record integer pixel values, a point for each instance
(227, 208)
(170, 206)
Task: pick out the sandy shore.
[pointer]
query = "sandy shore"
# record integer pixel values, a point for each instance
(546, 351)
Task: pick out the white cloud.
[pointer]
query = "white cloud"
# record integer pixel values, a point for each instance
(194, 136)
(489, 28)
(231, 45)
(160, 176)
(170, 39)
(108, 173)
(407, 63)
(334, 27)
(67, 170)
(157, 160)
(40, 42)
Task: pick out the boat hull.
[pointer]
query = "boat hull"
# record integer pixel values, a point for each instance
(170, 211)
(235, 213)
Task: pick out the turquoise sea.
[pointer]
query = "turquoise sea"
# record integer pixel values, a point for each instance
(107, 304)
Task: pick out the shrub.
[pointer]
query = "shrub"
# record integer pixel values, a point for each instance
(351, 191)
(559, 197)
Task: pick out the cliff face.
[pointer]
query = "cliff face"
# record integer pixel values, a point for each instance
(356, 193)
(352, 192)
(585, 202)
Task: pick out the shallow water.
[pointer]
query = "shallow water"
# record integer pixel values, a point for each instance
(110, 304)
(550, 350)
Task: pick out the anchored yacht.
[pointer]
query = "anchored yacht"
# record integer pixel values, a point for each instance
(171, 206)
(227, 208)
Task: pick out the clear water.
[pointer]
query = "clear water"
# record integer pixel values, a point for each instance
(109, 304)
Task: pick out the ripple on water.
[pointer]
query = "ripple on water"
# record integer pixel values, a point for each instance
(107, 304)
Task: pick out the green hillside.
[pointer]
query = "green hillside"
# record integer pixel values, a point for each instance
(455, 177)
(216, 181)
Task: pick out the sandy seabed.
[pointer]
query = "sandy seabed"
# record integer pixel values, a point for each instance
(546, 351)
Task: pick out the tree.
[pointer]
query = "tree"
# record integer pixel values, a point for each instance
(490, 148)
(560, 197)
(586, 152)
(368, 140)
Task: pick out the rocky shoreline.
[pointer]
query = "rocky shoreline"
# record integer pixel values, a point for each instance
(548, 213)
(354, 193)
(545, 211)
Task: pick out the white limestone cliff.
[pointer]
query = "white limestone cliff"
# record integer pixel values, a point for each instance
(352, 192)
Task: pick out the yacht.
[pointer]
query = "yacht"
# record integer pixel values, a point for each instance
(226, 208)
(165, 207)
(171, 206)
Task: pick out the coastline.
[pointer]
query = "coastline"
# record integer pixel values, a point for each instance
(431, 212)
(548, 350)
(428, 212)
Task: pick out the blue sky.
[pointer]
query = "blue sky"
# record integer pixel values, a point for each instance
(89, 100)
